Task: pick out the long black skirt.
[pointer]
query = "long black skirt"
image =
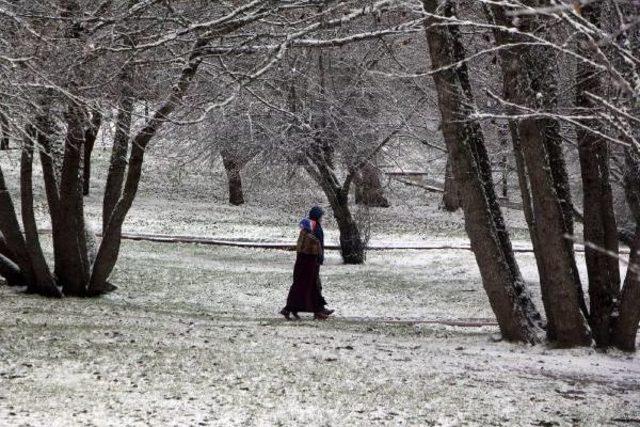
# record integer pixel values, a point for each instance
(305, 295)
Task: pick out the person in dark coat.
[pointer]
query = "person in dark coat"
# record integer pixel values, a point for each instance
(305, 295)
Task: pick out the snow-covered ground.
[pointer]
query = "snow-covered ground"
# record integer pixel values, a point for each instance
(192, 337)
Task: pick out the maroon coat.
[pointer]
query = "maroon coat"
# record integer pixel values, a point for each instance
(305, 295)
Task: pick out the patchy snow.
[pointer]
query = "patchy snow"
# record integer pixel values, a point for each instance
(192, 338)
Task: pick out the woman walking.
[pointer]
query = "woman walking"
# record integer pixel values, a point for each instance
(305, 295)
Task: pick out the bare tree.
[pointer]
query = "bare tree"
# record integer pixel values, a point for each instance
(526, 32)
(114, 55)
(532, 85)
(510, 300)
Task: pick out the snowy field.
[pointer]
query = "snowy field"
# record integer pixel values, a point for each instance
(192, 336)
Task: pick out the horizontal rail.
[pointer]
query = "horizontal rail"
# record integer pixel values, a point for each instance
(168, 238)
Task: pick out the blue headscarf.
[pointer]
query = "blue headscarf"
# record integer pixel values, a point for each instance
(316, 213)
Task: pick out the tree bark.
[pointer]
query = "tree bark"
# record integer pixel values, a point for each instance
(351, 244)
(73, 273)
(525, 72)
(50, 177)
(600, 227)
(625, 325)
(118, 161)
(4, 132)
(508, 296)
(11, 272)
(451, 197)
(369, 190)
(504, 164)
(5, 250)
(8, 268)
(12, 234)
(233, 166)
(43, 282)
(90, 135)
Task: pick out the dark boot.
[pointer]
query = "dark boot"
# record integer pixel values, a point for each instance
(287, 314)
(320, 316)
(327, 311)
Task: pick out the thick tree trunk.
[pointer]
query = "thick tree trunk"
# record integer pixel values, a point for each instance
(508, 296)
(233, 166)
(625, 326)
(5, 250)
(8, 268)
(566, 322)
(90, 135)
(351, 244)
(50, 177)
(451, 197)
(632, 182)
(504, 164)
(74, 272)
(11, 272)
(43, 282)
(118, 162)
(369, 190)
(600, 227)
(16, 246)
(542, 175)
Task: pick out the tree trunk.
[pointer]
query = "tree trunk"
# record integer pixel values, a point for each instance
(233, 166)
(560, 293)
(600, 227)
(118, 161)
(4, 132)
(451, 198)
(74, 271)
(632, 182)
(504, 163)
(11, 272)
(369, 190)
(43, 282)
(90, 135)
(16, 247)
(508, 296)
(50, 177)
(542, 176)
(5, 250)
(351, 244)
(625, 326)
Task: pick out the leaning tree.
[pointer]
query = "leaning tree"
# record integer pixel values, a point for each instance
(509, 297)
(531, 37)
